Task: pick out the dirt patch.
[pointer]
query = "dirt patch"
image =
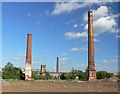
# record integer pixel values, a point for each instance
(60, 86)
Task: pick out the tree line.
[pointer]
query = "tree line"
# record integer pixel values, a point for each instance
(11, 72)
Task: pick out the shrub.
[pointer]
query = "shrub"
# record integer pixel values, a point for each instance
(11, 72)
(103, 74)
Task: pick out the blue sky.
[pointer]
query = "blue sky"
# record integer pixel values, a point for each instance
(60, 30)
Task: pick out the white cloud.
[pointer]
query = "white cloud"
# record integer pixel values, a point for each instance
(115, 15)
(75, 35)
(103, 68)
(86, 39)
(103, 21)
(76, 49)
(19, 57)
(100, 12)
(63, 7)
(83, 65)
(104, 24)
(67, 7)
(64, 59)
(64, 54)
(114, 60)
(96, 40)
(70, 21)
(104, 61)
(75, 25)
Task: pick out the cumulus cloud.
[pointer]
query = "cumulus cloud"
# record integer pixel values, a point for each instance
(103, 21)
(75, 25)
(115, 15)
(75, 35)
(100, 12)
(63, 7)
(67, 7)
(76, 49)
(103, 24)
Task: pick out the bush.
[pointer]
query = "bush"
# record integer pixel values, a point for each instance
(73, 74)
(62, 76)
(44, 77)
(11, 72)
(35, 76)
(103, 74)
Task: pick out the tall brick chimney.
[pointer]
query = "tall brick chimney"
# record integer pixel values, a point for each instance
(91, 65)
(57, 65)
(28, 69)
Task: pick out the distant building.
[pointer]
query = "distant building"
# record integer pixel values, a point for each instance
(56, 75)
(115, 73)
(43, 69)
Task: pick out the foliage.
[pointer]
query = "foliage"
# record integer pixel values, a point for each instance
(63, 76)
(35, 76)
(103, 74)
(118, 76)
(47, 75)
(73, 74)
(11, 72)
(38, 77)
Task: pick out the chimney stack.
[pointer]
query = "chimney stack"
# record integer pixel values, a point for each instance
(57, 66)
(91, 65)
(28, 69)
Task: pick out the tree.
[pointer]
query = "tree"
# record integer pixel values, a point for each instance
(79, 73)
(62, 76)
(35, 76)
(11, 72)
(73, 74)
(47, 74)
(103, 74)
